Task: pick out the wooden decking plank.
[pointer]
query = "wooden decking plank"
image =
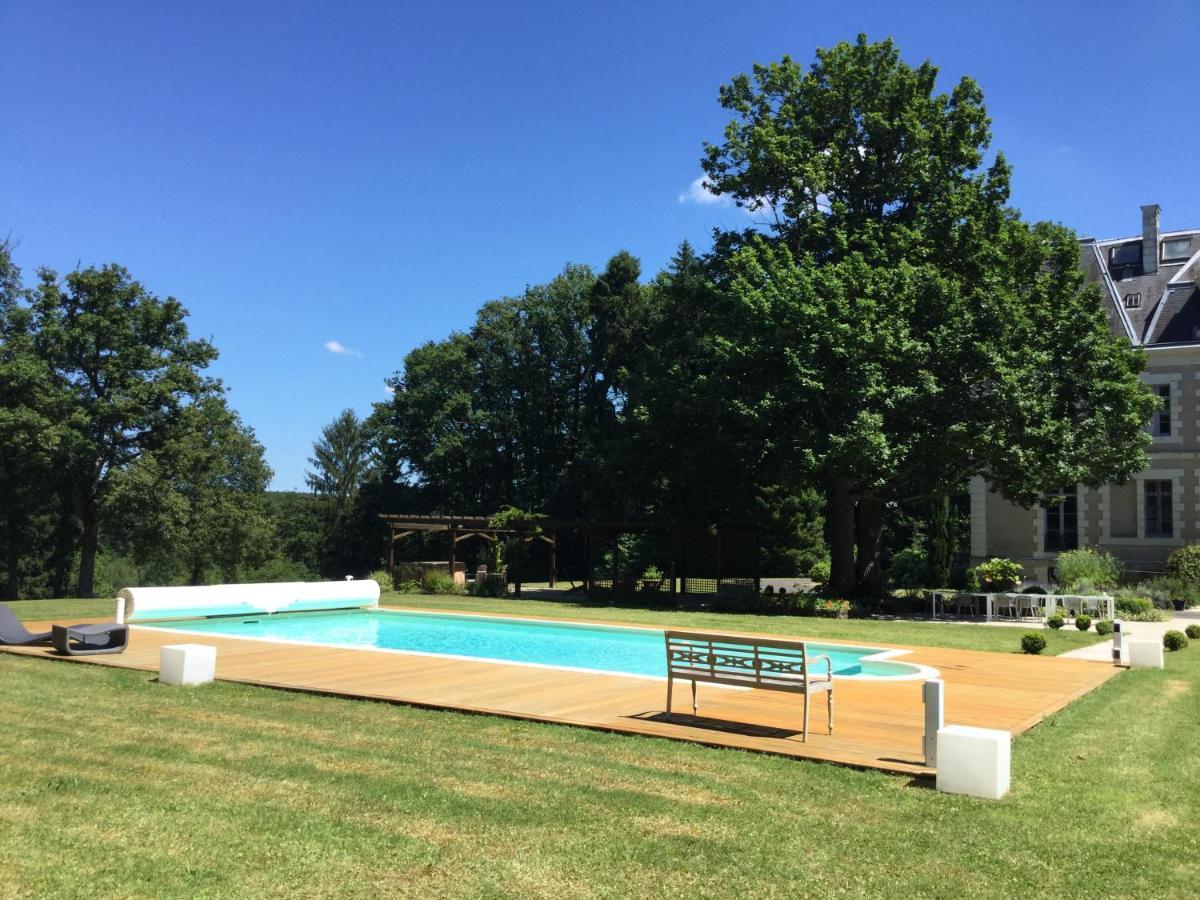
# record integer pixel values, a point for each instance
(877, 724)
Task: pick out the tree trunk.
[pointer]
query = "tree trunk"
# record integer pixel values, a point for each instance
(64, 544)
(937, 552)
(12, 576)
(89, 540)
(868, 572)
(839, 514)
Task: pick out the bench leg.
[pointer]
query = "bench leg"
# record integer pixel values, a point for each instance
(829, 702)
(804, 733)
(670, 682)
(695, 705)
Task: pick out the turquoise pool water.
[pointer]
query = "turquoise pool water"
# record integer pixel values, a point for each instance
(631, 651)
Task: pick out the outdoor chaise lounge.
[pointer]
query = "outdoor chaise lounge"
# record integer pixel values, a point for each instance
(90, 640)
(14, 634)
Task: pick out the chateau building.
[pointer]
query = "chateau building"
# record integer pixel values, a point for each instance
(1151, 286)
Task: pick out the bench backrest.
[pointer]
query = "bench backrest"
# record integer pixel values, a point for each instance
(742, 661)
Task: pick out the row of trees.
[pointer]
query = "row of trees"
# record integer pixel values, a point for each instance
(888, 328)
(884, 328)
(115, 446)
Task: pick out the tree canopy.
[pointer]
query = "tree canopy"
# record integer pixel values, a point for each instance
(896, 327)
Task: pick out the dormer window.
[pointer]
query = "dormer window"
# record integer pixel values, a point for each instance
(1126, 256)
(1176, 249)
(1133, 301)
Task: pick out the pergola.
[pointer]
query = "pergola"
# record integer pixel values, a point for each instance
(688, 573)
(461, 528)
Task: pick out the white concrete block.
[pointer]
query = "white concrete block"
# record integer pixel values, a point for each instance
(1145, 654)
(974, 761)
(187, 664)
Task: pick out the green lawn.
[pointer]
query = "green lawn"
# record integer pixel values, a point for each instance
(114, 785)
(340, 797)
(931, 634)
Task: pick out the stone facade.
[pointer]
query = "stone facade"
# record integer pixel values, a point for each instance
(1156, 304)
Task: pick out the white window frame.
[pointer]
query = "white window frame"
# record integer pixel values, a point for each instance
(1039, 526)
(1175, 476)
(1187, 250)
(1172, 381)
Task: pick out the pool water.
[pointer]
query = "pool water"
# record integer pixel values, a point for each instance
(630, 651)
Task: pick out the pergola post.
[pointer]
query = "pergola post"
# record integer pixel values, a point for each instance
(553, 560)
(453, 547)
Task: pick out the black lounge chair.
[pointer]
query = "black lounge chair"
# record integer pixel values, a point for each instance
(14, 634)
(90, 640)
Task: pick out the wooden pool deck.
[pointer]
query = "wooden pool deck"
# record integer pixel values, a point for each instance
(878, 724)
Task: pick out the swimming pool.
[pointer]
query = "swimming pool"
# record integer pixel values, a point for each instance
(567, 645)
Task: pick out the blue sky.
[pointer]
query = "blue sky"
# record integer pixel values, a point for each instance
(363, 175)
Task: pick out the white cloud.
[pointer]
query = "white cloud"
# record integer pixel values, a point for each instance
(697, 193)
(339, 347)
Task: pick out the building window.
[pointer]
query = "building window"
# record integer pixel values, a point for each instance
(1062, 521)
(1159, 522)
(1160, 425)
(1176, 249)
(1133, 301)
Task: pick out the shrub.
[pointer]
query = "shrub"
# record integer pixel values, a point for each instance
(819, 571)
(1184, 564)
(997, 574)
(652, 573)
(1192, 631)
(1104, 627)
(1131, 604)
(1164, 592)
(1175, 640)
(1083, 623)
(494, 585)
(908, 568)
(1087, 566)
(1032, 642)
(1056, 621)
(408, 587)
(384, 577)
(435, 581)
(1133, 607)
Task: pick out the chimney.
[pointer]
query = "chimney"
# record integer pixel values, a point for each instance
(1150, 238)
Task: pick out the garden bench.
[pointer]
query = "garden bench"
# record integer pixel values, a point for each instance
(740, 661)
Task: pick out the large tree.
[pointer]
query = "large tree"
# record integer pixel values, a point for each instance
(196, 507)
(891, 327)
(339, 461)
(122, 359)
(31, 434)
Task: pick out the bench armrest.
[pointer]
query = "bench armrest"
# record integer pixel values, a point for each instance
(828, 664)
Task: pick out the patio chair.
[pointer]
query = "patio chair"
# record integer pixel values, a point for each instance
(14, 634)
(90, 640)
(1004, 605)
(969, 602)
(1030, 604)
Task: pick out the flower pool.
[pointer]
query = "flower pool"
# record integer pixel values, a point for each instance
(568, 645)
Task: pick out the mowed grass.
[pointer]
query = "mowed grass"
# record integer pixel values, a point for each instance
(963, 636)
(114, 785)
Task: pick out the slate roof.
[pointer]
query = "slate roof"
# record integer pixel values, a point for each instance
(1167, 307)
